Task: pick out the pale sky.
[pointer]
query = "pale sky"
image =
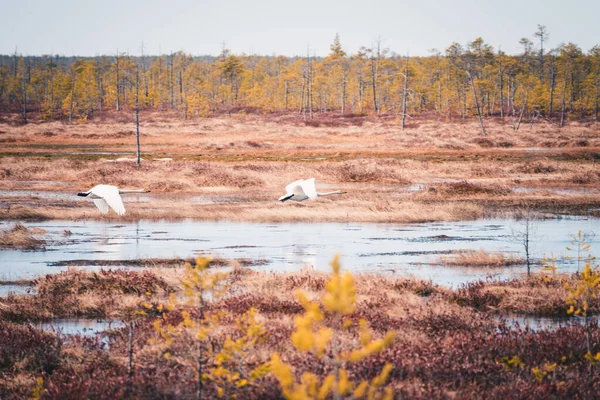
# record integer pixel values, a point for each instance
(266, 27)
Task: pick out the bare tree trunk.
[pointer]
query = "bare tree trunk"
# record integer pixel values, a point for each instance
(303, 102)
(304, 94)
(181, 85)
(563, 105)
(144, 73)
(374, 84)
(100, 92)
(522, 110)
(160, 83)
(405, 94)
(199, 360)
(310, 96)
(2, 87)
(476, 102)
(588, 337)
(502, 95)
(512, 92)
(344, 96)
(117, 86)
(72, 95)
(310, 88)
(15, 64)
(285, 95)
(440, 93)
(526, 244)
(137, 114)
(24, 99)
(360, 94)
(171, 84)
(552, 86)
(597, 97)
(130, 365)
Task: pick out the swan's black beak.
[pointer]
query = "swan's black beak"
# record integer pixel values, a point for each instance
(344, 192)
(147, 191)
(83, 194)
(286, 197)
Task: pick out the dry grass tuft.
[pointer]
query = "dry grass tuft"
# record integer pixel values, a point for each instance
(585, 178)
(22, 238)
(78, 293)
(542, 295)
(536, 167)
(363, 171)
(481, 258)
(465, 188)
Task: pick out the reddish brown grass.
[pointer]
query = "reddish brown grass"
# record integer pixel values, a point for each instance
(241, 164)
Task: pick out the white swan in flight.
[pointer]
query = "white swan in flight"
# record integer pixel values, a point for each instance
(108, 195)
(303, 189)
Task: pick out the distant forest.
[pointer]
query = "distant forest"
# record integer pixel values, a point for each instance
(477, 80)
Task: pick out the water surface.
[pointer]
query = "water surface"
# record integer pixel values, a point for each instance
(394, 249)
(79, 326)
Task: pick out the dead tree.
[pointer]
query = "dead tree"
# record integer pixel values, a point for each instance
(117, 86)
(405, 93)
(525, 234)
(310, 87)
(516, 127)
(130, 364)
(552, 87)
(137, 113)
(470, 79)
(596, 102)
(24, 99)
(374, 70)
(72, 94)
(542, 34)
(563, 102)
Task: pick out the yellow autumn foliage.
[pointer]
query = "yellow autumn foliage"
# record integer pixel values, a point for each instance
(314, 336)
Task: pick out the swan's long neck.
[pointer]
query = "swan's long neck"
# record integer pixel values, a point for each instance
(329, 193)
(132, 191)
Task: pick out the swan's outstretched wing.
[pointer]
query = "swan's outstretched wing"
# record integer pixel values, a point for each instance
(308, 186)
(110, 194)
(102, 205)
(292, 187)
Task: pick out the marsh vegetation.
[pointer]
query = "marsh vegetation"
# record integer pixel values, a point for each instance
(256, 326)
(428, 312)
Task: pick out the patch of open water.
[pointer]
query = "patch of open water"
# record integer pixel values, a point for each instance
(79, 326)
(399, 249)
(16, 195)
(554, 190)
(536, 323)
(5, 290)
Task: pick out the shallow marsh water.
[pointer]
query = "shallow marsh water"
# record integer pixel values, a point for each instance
(538, 323)
(393, 249)
(79, 326)
(5, 290)
(92, 327)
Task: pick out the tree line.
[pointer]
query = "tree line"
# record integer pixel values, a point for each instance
(473, 80)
